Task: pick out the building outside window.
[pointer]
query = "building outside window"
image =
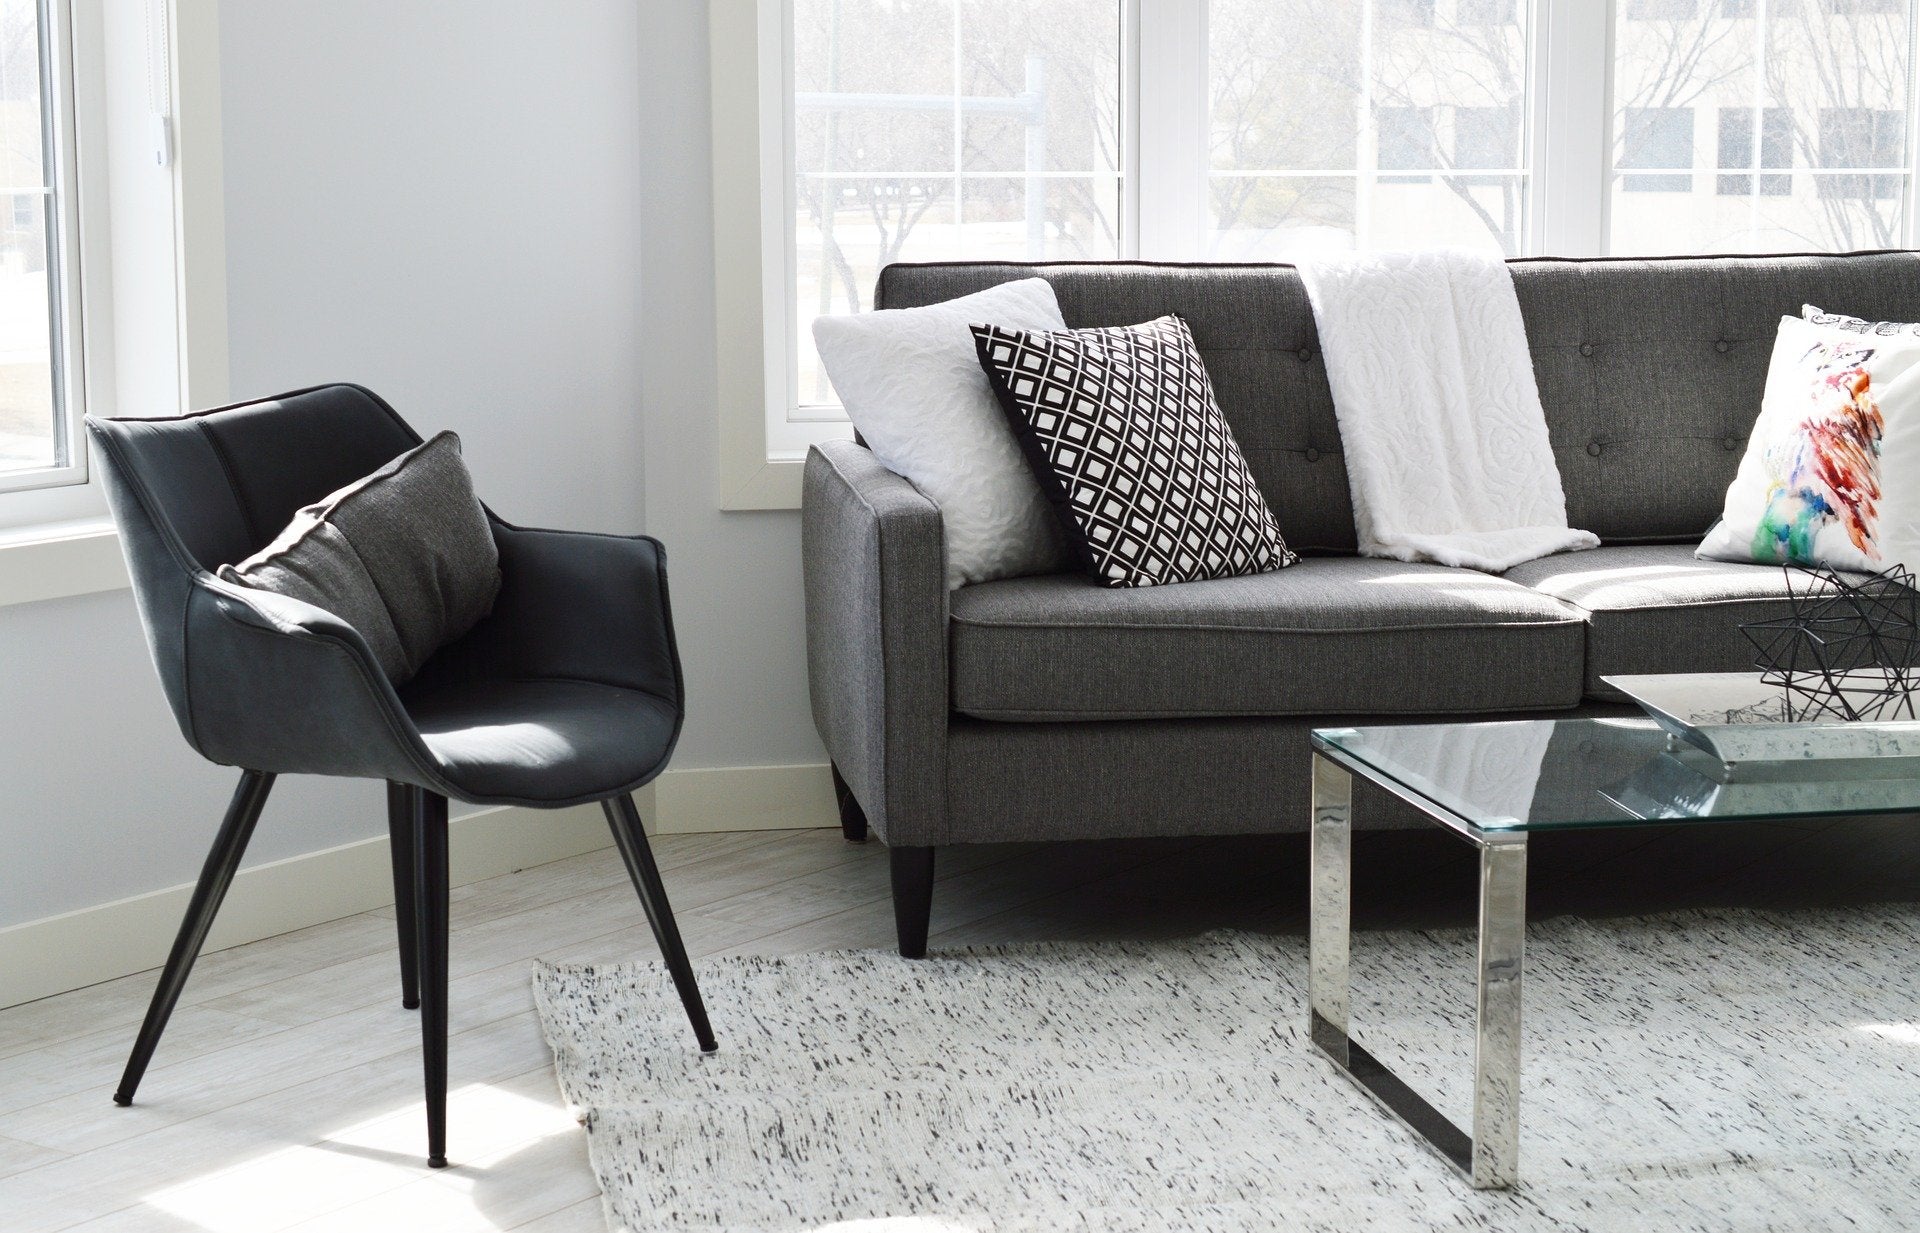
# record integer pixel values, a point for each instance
(1657, 140)
(1739, 151)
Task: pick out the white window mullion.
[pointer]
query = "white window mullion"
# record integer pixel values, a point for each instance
(1910, 202)
(1129, 86)
(1173, 137)
(1367, 151)
(1572, 140)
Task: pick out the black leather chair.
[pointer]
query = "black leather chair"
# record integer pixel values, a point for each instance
(570, 692)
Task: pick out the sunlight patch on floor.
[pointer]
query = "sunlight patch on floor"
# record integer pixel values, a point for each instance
(1899, 1033)
(368, 1158)
(899, 1224)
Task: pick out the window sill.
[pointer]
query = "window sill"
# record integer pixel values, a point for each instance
(774, 484)
(55, 560)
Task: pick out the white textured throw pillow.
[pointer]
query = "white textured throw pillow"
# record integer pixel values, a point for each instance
(911, 382)
(1831, 474)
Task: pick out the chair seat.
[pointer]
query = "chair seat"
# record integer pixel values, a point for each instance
(1658, 608)
(1328, 636)
(542, 741)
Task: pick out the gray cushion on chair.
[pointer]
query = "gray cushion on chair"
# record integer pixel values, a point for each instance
(405, 556)
(1658, 608)
(1332, 635)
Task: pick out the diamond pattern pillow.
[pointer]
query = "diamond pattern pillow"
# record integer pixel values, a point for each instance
(1122, 429)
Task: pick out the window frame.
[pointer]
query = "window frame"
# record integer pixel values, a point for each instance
(1567, 134)
(37, 494)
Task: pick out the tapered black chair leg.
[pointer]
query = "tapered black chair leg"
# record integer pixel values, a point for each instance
(853, 819)
(228, 847)
(430, 925)
(624, 820)
(400, 840)
(912, 870)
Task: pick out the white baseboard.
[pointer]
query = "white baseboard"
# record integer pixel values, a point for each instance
(52, 955)
(744, 798)
(84, 947)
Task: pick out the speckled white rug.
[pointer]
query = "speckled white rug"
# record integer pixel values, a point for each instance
(1707, 1071)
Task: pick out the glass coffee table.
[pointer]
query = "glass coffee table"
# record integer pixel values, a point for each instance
(1493, 785)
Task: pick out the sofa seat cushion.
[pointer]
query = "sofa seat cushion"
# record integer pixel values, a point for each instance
(1659, 608)
(1330, 635)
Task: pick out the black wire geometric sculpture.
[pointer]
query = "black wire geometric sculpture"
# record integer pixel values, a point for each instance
(1849, 651)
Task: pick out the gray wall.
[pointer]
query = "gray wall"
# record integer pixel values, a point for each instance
(498, 216)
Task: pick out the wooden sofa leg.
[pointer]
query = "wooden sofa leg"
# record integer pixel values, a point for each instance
(853, 819)
(912, 870)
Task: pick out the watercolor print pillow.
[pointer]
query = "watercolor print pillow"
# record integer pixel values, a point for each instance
(1831, 474)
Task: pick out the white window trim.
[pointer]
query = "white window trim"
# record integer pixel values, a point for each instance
(1569, 138)
(750, 252)
(58, 541)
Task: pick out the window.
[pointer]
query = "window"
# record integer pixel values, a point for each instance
(1486, 137)
(1822, 84)
(851, 133)
(938, 130)
(1661, 10)
(1737, 150)
(1406, 142)
(1854, 137)
(39, 397)
(1488, 12)
(1310, 104)
(1657, 138)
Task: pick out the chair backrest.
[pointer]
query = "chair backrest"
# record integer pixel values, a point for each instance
(194, 492)
(1650, 371)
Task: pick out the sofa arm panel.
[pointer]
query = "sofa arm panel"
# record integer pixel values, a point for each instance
(875, 561)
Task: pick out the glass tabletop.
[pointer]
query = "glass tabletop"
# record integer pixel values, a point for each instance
(1528, 775)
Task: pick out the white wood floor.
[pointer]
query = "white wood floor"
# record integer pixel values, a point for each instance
(285, 1094)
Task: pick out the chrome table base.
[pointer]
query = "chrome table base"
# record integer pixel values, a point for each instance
(1488, 1157)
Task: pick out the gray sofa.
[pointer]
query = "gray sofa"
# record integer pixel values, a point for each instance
(1055, 708)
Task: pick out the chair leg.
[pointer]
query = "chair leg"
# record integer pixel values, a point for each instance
(217, 875)
(853, 819)
(430, 925)
(400, 841)
(912, 870)
(624, 820)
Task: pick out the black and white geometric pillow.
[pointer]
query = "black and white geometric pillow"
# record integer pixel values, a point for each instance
(1122, 429)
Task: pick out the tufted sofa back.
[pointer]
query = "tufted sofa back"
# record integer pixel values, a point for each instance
(1650, 371)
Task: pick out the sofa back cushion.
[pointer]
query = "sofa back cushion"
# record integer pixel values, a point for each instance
(1651, 371)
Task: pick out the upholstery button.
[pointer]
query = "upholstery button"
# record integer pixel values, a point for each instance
(1305, 354)
(1594, 447)
(1313, 455)
(1586, 348)
(1723, 346)
(1730, 444)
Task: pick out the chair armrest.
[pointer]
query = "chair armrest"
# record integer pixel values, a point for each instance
(874, 551)
(573, 605)
(279, 685)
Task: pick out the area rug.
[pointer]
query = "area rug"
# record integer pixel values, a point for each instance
(1706, 1071)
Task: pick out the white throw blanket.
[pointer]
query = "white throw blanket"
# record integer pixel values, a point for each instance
(1445, 442)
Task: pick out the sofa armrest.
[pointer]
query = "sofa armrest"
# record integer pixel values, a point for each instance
(279, 685)
(875, 558)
